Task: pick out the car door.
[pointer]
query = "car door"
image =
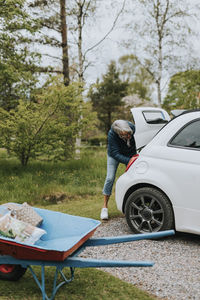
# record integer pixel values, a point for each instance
(181, 160)
(148, 121)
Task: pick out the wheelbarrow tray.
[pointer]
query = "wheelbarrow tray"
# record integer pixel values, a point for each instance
(65, 234)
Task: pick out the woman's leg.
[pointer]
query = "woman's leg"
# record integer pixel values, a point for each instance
(105, 201)
(112, 166)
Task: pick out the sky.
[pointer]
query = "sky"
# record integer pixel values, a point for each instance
(112, 47)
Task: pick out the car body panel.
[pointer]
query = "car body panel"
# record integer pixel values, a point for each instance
(173, 170)
(149, 121)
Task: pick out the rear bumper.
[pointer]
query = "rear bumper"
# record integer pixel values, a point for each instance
(122, 185)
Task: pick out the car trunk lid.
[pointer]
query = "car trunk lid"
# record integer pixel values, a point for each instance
(148, 121)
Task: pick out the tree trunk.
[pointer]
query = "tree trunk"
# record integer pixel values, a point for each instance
(80, 53)
(158, 81)
(159, 92)
(24, 159)
(80, 68)
(65, 57)
(160, 69)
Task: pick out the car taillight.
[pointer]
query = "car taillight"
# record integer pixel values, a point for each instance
(131, 161)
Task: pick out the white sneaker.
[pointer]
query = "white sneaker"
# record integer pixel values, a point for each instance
(104, 214)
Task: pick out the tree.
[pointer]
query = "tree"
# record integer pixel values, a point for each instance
(17, 62)
(80, 11)
(106, 96)
(140, 81)
(63, 28)
(66, 21)
(53, 33)
(83, 11)
(66, 25)
(183, 91)
(48, 126)
(162, 38)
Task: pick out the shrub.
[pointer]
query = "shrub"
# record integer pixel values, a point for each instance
(48, 127)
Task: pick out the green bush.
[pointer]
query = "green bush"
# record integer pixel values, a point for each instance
(48, 127)
(97, 141)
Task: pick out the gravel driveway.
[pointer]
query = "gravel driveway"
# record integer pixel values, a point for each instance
(176, 273)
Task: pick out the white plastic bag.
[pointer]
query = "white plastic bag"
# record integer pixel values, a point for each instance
(19, 230)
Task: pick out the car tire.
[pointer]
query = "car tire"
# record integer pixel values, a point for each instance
(149, 210)
(11, 272)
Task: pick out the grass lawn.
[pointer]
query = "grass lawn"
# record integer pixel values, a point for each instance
(73, 187)
(87, 284)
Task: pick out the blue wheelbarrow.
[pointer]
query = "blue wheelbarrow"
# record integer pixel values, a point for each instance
(67, 236)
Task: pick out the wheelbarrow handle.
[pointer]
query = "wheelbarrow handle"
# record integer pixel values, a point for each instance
(76, 262)
(127, 238)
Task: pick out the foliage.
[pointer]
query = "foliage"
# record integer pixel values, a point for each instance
(46, 127)
(106, 96)
(17, 62)
(184, 91)
(88, 119)
(52, 35)
(140, 81)
(99, 140)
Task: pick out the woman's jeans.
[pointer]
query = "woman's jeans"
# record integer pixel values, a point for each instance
(112, 166)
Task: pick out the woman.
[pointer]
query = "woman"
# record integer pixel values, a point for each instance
(121, 147)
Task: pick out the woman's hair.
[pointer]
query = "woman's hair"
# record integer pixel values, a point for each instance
(121, 125)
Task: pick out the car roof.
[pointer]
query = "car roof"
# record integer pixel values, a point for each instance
(183, 112)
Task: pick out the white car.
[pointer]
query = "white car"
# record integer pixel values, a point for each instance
(160, 189)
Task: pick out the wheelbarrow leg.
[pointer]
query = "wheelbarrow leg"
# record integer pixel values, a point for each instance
(64, 277)
(44, 296)
(42, 284)
(55, 286)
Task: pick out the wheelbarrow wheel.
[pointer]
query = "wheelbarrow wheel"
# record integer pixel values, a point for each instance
(11, 272)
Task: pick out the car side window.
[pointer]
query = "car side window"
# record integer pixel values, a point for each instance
(188, 137)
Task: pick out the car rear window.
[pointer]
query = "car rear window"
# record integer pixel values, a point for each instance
(154, 117)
